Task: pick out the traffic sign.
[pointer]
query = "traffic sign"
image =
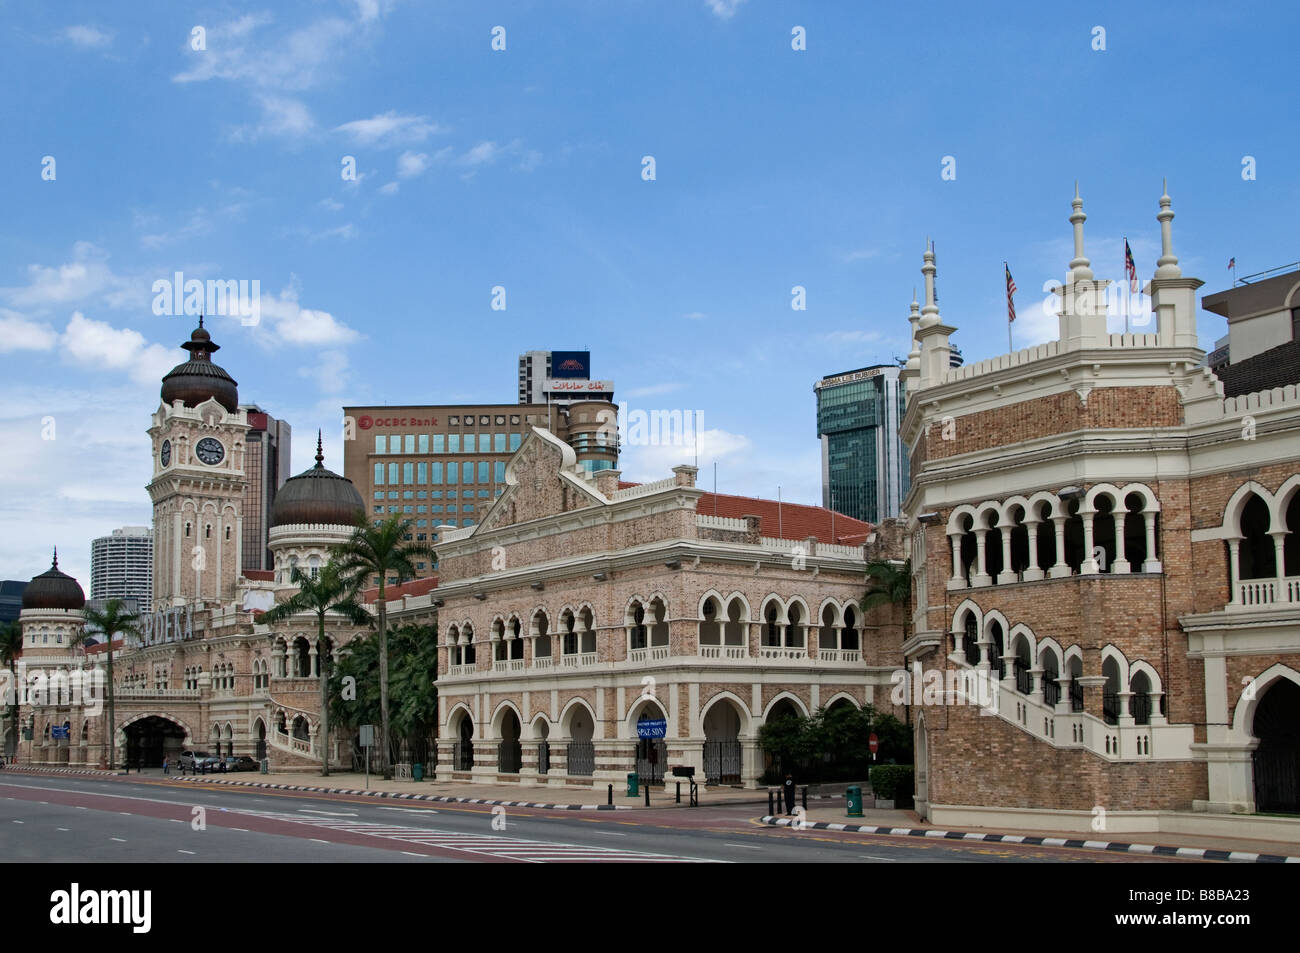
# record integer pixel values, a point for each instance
(873, 742)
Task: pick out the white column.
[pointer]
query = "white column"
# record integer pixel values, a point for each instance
(1279, 549)
(1121, 564)
(1234, 572)
(1089, 565)
(981, 576)
(1060, 568)
(1151, 564)
(1032, 571)
(958, 580)
(1007, 575)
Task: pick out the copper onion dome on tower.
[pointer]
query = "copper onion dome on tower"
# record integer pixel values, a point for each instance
(54, 590)
(317, 496)
(197, 379)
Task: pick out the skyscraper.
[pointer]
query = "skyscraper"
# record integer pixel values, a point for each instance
(266, 465)
(864, 472)
(121, 565)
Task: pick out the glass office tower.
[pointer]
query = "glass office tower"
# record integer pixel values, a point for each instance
(864, 468)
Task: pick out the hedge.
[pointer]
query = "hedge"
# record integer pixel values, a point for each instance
(893, 782)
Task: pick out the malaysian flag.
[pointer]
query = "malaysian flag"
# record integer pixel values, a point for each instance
(1011, 290)
(1130, 268)
(1232, 263)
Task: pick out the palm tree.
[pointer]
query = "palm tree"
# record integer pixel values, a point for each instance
(890, 583)
(11, 646)
(378, 551)
(327, 592)
(111, 621)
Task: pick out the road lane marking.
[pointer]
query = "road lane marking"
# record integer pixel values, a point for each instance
(411, 853)
(242, 830)
(20, 822)
(746, 846)
(118, 839)
(307, 810)
(492, 845)
(190, 852)
(888, 860)
(610, 833)
(61, 828)
(318, 840)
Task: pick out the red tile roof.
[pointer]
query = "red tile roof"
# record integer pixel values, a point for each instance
(783, 520)
(417, 587)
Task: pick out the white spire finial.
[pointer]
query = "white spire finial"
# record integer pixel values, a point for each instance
(1167, 263)
(914, 318)
(929, 313)
(1080, 266)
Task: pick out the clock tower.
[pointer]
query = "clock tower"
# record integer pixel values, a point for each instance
(198, 436)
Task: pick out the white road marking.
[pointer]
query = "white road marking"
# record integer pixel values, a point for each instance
(888, 860)
(61, 828)
(242, 830)
(610, 833)
(307, 810)
(20, 822)
(411, 853)
(190, 852)
(319, 841)
(409, 810)
(746, 846)
(118, 839)
(494, 845)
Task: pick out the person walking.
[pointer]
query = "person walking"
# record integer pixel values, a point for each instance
(165, 765)
(787, 791)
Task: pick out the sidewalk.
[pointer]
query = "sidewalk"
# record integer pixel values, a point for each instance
(538, 796)
(906, 823)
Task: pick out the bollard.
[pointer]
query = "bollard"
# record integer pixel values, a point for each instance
(805, 799)
(647, 794)
(771, 809)
(610, 797)
(679, 792)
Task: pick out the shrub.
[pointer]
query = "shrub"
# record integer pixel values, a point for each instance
(893, 782)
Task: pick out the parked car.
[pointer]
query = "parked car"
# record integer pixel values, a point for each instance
(241, 763)
(198, 761)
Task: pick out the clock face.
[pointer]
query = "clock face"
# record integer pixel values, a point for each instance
(210, 451)
(166, 455)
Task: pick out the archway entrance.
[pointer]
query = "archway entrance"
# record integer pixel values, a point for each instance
(463, 749)
(260, 740)
(509, 751)
(1277, 759)
(651, 747)
(722, 756)
(151, 739)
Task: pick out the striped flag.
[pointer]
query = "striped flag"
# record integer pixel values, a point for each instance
(1232, 263)
(1130, 268)
(1011, 290)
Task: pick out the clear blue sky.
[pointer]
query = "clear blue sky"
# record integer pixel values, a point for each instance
(522, 168)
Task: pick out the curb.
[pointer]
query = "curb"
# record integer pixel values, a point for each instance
(93, 772)
(398, 795)
(1114, 847)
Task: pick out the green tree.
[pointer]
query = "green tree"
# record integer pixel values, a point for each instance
(889, 582)
(111, 621)
(11, 646)
(382, 550)
(414, 659)
(328, 593)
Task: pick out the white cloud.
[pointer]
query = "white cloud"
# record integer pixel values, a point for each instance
(338, 231)
(389, 129)
(332, 205)
(86, 276)
(88, 37)
(483, 153)
(291, 323)
(695, 315)
(282, 116)
(411, 164)
(861, 254)
(389, 188)
(292, 62)
(725, 9)
(19, 334)
(98, 344)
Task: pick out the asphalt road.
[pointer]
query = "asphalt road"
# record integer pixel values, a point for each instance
(68, 819)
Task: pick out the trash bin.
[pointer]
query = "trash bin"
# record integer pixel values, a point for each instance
(417, 772)
(632, 784)
(854, 798)
(266, 765)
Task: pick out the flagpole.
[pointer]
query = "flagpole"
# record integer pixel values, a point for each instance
(1006, 270)
(1129, 281)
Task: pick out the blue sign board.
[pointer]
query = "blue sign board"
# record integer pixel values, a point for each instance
(652, 728)
(58, 731)
(571, 364)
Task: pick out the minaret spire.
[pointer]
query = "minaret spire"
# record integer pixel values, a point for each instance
(55, 564)
(914, 355)
(320, 453)
(930, 313)
(1080, 266)
(1167, 263)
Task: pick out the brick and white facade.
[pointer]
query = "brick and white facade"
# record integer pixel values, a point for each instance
(1079, 519)
(580, 606)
